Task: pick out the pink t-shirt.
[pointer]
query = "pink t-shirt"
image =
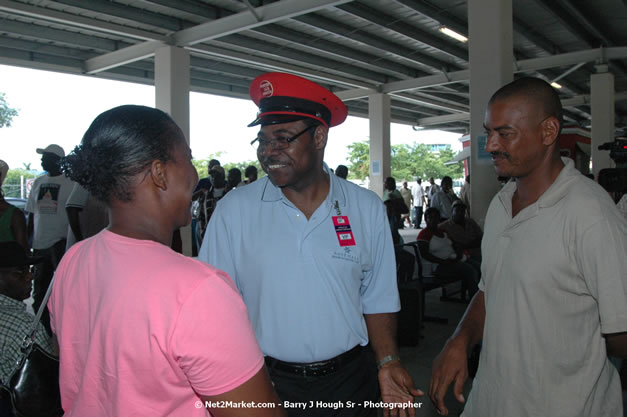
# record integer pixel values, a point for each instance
(143, 330)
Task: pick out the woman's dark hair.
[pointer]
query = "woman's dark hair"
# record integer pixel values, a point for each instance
(119, 144)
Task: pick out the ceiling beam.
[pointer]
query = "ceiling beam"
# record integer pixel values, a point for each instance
(356, 34)
(533, 64)
(570, 102)
(210, 30)
(406, 29)
(54, 16)
(132, 15)
(256, 47)
(375, 62)
(436, 120)
(238, 22)
(277, 65)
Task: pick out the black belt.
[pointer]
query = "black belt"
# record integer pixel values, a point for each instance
(315, 368)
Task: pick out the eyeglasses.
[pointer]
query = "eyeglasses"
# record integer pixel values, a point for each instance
(278, 143)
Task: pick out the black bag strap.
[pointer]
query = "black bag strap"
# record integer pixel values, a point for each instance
(29, 340)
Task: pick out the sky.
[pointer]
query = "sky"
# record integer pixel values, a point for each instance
(58, 108)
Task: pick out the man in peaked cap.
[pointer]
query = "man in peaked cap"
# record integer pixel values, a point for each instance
(313, 258)
(48, 221)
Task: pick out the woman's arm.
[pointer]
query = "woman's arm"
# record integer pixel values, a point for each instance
(257, 390)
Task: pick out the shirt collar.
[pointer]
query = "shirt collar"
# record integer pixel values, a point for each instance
(336, 192)
(552, 195)
(6, 301)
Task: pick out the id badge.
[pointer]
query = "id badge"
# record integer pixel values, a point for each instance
(343, 231)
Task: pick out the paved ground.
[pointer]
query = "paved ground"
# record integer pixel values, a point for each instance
(418, 359)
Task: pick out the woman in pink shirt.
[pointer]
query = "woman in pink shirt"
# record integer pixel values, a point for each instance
(143, 330)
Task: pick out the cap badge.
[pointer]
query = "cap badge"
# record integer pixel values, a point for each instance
(266, 88)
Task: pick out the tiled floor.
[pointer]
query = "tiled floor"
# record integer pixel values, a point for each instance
(418, 360)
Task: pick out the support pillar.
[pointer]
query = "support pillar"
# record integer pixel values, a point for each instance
(602, 105)
(172, 81)
(491, 60)
(379, 114)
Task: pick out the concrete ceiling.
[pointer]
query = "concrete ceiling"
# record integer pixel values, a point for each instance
(352, 47)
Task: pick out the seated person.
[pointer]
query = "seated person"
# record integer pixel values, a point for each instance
(15, 322)
(464, 232)
(443, 259)
(404, 260)
(444, 198)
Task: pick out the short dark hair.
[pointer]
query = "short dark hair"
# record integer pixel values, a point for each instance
(119, 144)
(537, 90)
(341, 171)
(447, 179)
(250, 170)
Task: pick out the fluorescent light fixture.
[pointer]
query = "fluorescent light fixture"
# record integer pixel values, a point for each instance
(453, 34)
(556, 85)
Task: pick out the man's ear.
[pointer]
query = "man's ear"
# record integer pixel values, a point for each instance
(550, 131)
(321, 133)
(157, 173)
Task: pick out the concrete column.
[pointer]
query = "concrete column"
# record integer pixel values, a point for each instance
(172, 96)
(602, 105)
(491, 66)
(380, 151)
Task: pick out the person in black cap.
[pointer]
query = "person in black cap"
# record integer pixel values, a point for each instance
(313, 258)
(47, 221)
(15, 322)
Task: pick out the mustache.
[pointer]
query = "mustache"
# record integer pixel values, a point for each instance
(500, 155)
(269, 161)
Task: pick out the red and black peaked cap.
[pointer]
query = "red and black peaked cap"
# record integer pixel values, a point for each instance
(284, 98)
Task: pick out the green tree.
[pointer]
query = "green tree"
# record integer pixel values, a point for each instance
(6, 113)
(408, 162)
(11, 185)
(359, 158)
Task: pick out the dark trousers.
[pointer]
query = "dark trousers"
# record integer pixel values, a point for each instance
(334, 395)
(469, 272)
(418, 218)
(42, 275)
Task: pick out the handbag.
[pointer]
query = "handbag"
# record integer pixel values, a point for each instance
(33, 387)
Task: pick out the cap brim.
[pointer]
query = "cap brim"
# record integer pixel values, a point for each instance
(275, 119)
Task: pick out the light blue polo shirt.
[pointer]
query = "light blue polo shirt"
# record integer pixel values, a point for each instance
(306, 295)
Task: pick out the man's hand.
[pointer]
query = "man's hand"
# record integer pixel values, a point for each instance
(450, 365)
(397, 387)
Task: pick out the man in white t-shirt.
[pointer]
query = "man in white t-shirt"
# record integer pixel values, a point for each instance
(47, 221)
(418, 196)
(86, 215)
